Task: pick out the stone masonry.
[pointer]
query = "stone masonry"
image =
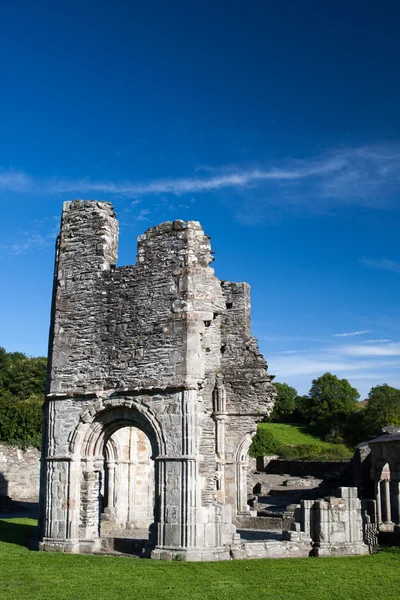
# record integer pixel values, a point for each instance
(19, 473)
(162, 347)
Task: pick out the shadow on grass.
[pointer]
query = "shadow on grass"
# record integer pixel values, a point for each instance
(19, 534)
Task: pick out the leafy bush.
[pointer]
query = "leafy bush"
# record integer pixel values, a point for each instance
(264, 444)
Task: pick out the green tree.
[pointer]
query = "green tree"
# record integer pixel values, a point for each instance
(285, 402)
(21, 421)
(301, 412)
(21, 375)
(22, 389)
(331, 402)
(383, 408)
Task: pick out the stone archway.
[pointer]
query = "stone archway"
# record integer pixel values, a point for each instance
(114, 471)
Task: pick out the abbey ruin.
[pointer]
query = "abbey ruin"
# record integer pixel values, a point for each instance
(155, 389)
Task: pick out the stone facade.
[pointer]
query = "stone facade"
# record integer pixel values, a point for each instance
(161, 348)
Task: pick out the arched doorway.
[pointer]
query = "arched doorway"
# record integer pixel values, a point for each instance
(128, 488)
(117, 475)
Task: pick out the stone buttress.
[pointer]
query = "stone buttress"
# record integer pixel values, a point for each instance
(165, 347)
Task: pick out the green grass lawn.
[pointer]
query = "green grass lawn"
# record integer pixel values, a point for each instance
(294, 434)
(52, 576)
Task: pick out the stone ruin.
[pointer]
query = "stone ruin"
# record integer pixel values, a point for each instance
(385, 473)
(155, 387)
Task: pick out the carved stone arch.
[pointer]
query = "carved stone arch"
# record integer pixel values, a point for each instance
(100, 421)
(112, 450)
(242, 453)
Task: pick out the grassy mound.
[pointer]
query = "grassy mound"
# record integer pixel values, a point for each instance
(295, 441)
(58, 576)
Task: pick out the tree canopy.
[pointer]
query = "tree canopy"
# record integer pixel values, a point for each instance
(383, 408)
(22, 389)
(329, 403)
(20, 375)
(285, 402)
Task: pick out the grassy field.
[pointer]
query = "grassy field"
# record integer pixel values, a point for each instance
(294, 434)
(45, 576)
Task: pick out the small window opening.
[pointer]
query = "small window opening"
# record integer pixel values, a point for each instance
(207, 323)
(229, 305)
(223, 348)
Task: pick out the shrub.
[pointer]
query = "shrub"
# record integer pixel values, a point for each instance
(314, 452)
(264, 444)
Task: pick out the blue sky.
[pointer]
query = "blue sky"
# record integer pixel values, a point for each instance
(275, 124)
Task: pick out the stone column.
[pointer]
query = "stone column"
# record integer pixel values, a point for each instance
(388, 520)
(110, 465)
(178, 488)
(90, 508)
(220, 418)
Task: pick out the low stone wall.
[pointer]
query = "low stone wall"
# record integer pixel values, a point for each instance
(302, 468)
(19, 473)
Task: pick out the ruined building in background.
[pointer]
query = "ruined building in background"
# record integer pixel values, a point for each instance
(155, 388)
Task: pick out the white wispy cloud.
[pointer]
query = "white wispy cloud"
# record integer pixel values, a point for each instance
(390, 349)
(318, 363)
(25, 243)
(381, 263)
(42, 235)
(351, 333)
(15, 181)
(383, 341)
(237, 178)
(366, 176)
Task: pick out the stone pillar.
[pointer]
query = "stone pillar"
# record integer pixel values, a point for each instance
(241, 489)
(110, 465)
(179, 488)
(90, 508)
(61, 506)
(220, 418)
(388, 520)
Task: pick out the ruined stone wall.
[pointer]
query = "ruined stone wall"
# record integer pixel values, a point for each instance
(19, 473)
(86, 249)
(172, 343)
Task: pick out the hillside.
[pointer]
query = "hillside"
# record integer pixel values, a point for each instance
(295, 441)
